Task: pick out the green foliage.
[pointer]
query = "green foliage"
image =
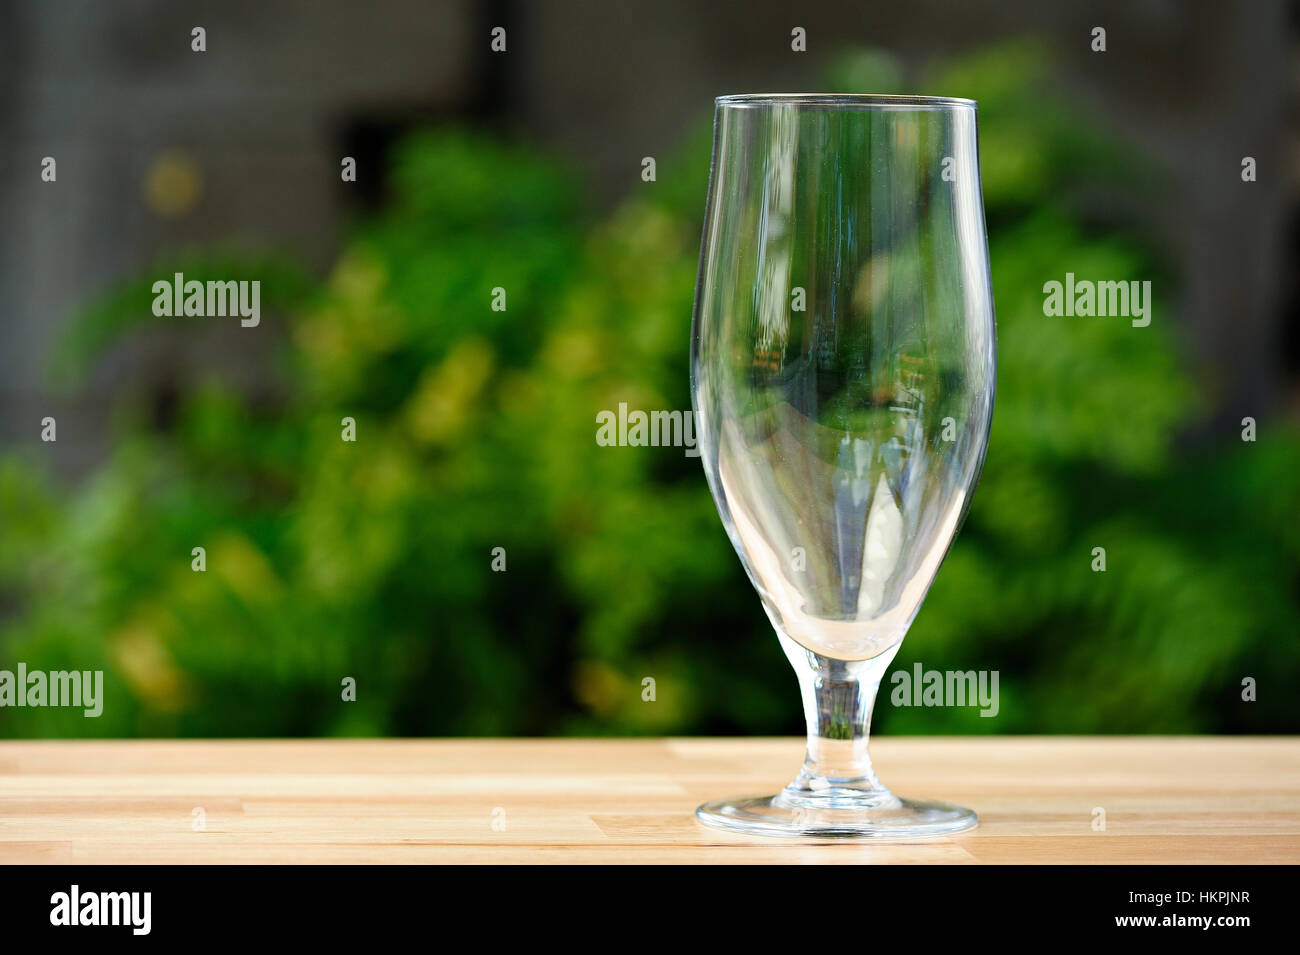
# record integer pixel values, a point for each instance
(475, 429)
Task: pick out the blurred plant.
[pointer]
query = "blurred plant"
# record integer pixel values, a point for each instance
(475, 430)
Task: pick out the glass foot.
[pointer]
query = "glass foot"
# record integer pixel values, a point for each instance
(887, 818)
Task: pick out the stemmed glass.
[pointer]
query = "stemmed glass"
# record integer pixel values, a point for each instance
(842, 373)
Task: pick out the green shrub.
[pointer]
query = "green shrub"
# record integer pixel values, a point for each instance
(475, 430)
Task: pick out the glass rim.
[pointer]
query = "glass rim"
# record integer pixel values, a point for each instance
(858, 100)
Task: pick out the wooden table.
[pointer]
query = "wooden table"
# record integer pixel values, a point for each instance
(1207, 800)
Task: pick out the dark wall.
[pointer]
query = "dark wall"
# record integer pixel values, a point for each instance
(255, 127)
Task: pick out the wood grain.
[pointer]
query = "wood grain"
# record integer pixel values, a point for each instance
(1204, 800)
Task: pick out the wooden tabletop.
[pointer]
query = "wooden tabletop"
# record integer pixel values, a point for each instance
(1194, 800)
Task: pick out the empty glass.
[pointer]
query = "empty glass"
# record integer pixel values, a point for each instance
(842, 370)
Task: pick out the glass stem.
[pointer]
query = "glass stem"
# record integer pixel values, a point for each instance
(838, 696)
